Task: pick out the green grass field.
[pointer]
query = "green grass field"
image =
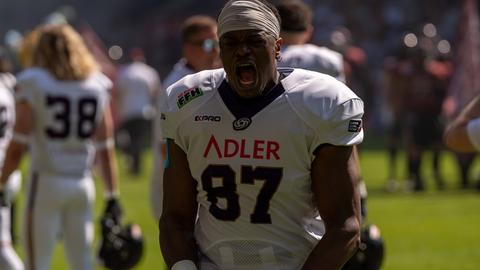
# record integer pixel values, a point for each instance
(432, 230)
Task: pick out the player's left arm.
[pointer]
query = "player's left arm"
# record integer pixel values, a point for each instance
(18, 145)
(335, 175)
(456, 134)
(177, 222)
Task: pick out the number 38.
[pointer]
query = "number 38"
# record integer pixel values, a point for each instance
(270, 176)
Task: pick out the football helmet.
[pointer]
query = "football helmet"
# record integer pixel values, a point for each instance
(369, 255)
(121, 247)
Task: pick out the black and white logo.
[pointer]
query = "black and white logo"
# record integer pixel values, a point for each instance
(355, 125)
(242, 123)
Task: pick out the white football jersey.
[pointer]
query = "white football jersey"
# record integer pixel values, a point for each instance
(252, 161)
(7, 112)
(312, 57)
(136, 85)
(66, 113)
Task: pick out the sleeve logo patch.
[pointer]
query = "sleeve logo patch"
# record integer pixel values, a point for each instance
(188, 95)
(355, 125)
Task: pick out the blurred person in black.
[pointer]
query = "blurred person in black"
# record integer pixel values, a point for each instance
(397, 69)
(428, 85)
(137, 85)
(417, 77)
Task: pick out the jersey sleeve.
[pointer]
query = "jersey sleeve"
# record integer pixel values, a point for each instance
(344, 126)
(167, 116)
(328, 106)
(104, 86)
(24, 89)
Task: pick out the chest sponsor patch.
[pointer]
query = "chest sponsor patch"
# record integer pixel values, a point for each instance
(208, 118)
(188, 95)
(355, 125)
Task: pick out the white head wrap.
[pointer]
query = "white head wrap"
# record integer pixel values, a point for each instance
(247, 15)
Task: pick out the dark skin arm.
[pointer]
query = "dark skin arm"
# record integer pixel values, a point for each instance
(456, 135)
(334, 177)
(179, 208)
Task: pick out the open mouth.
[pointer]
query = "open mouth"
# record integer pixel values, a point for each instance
(246, 73)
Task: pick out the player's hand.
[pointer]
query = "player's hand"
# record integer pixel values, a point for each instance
(4, 200)
(113, 209)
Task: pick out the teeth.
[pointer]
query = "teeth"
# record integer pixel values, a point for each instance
(245, 65)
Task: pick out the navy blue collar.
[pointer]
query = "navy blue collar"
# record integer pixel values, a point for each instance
(242, 107)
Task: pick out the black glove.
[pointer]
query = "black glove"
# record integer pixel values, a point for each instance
(113, 210)
(4, 201)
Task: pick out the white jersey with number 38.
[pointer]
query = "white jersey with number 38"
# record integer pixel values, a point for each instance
(252, 161)
(65, 113)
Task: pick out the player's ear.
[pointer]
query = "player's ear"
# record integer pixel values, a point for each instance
(278, 47)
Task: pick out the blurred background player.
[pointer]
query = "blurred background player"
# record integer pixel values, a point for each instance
(199, 48)
(297, 30)
(396, 70)
(427, 83)
(62, 103)
(9, 259)
(200, 52)
(137, 84)
(416, 81)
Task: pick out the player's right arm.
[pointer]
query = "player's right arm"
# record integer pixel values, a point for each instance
(179, 208)
(461, 134)
(103, 138)
(105, 155)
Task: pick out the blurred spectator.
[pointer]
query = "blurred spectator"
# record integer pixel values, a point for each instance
(200, 51)
(199, 48)
(416, 81)
(397, 69)
(428, 83)
(297, 30)
(137, 85)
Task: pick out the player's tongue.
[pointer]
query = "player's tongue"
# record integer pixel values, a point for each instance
(246, 74)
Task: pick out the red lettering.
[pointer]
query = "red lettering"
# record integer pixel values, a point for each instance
(243, 153)
(213, 142)
(230, 151)
(272, 149)
(258, 149)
